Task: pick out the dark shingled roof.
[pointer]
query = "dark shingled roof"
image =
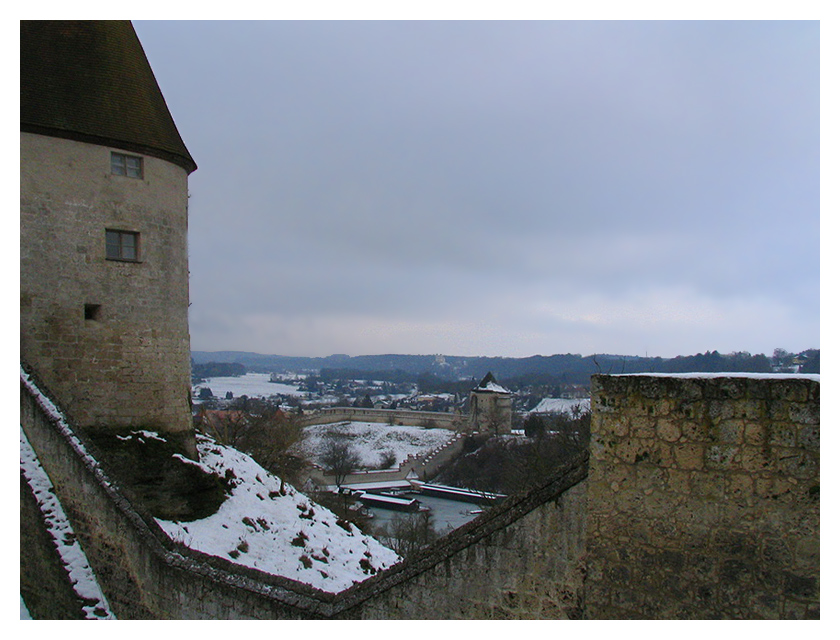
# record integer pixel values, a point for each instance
(90, 81)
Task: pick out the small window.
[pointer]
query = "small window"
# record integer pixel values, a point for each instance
(92, 311)
(129, 166)
(122, 245)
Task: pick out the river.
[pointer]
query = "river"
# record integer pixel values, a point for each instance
(447, 514)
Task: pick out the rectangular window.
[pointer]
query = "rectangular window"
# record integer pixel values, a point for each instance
(129, 166)
(122, 245)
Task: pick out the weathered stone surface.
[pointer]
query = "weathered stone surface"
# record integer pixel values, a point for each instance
(732, 531)
(110, 338)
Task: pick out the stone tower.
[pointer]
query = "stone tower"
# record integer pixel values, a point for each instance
(104, 290)
(491, 407)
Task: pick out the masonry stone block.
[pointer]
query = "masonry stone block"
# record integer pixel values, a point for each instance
(696, 430)
(643, 427)
(729, 431)
(668, 429)
(740, 486)
(724, 457)
(720, 410)
(755, 433)
(689, 456)
(805, 413)
(809, 438)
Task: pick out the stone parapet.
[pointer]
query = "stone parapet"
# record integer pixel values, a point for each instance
(704, 497)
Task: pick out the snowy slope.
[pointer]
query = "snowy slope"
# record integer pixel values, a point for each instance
(286, 535)
(371, 439)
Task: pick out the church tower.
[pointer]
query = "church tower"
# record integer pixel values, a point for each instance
(104, 282)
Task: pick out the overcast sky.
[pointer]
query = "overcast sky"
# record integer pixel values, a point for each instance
(498, 188)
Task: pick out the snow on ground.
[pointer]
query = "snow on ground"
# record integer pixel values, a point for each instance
(371, 440)
(560, 405)
(253, 385)
(286, 535)
(72, 556)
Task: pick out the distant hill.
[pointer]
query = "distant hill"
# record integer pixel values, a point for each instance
(564, 368)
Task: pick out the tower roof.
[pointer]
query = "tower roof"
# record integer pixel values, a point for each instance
(488, 384)
(90, 81)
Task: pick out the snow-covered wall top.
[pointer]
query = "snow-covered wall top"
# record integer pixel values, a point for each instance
(728, 374)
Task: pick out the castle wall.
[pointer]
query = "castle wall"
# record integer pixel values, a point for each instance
(521, 557)
(703, 498)
(702, 501)
(521, 561)
(143, 574)
(129, 364)
(44, 583)
(400, 417)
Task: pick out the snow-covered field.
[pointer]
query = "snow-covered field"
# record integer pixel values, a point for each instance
(253, 385)
(560, 405)
(282, 533)
(371, 440)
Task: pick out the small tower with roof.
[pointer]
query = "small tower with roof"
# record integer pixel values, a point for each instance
(491, 407)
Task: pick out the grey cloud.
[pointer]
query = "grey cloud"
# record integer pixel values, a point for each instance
(408, 171)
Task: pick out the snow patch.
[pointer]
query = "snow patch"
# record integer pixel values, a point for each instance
(55, 414)
(58, 525)
(270, 526)
(373, 439)
(493, 386)
(140, 434)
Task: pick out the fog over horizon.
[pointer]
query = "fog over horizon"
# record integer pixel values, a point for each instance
(498, 188)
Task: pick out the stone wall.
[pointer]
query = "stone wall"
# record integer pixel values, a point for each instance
(398, 417)
(44, 584)
(142, 572)
(702, 501)
(521, 560)
(703, 498)
(521, 557)
(128, 363)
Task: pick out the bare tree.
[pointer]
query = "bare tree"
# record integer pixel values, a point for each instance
(260, 430)
(339, 458)
(225, 427)
(407, 534)
(272, 435)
